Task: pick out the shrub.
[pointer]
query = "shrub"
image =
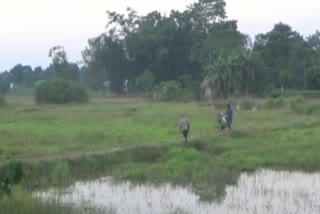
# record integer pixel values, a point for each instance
(271, 103)
(299, 106)
(168, 91)
(11, 173)
(275, 94)
(60, 92)
(279, 102)
(297, 99)
(145, 81)
(247, 103)
(312, 78)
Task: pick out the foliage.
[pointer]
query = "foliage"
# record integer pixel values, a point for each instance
(60, 92)
(145, 81)
(60, 173)
(312, 78)
(208, 46)
(234, 73)
(286, 55)
(168, 91)
(260, 139)
(275, 93)
(11, 173)
(188, 46)
(304, 108)
(23, 202)
(61, 67)
(247, 103)
(272, 103)
(314, 40)
(300, 105)
(297, 99)
(158, 43)
(4, 82)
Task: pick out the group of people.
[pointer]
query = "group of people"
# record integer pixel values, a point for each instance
(224, 121)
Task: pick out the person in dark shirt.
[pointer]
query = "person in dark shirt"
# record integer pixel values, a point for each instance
(229, 114)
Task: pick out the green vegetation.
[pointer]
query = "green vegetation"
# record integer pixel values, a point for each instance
(31, 131)
(167, 56)
(186, 46)
(168, 91)
(60, 92)
(137, 140)
(247, 103)
(49, 132)
(272, 103)
(2, 100)
(21, 202)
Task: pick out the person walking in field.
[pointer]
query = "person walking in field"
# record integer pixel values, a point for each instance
(229, 114)
(184, 127)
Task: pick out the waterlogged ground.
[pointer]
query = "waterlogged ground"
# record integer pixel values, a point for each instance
(265, 191)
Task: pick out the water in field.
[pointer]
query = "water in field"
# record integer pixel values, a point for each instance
(262, 192)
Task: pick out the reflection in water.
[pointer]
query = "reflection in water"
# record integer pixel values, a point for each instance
(262, 192)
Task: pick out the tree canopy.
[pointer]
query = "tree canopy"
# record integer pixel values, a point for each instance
(189, 46)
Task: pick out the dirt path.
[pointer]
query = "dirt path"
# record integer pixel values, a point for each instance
(80, 155)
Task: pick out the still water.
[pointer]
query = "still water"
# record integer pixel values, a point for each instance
(265, 191)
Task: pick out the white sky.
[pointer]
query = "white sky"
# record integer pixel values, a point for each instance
(29, 28)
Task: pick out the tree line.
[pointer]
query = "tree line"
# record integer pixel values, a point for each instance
(187, 47)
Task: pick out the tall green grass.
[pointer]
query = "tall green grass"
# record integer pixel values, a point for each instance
(22, 202)
(140, 141)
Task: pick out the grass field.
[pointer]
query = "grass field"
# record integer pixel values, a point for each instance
(138, 140)
(28, 131)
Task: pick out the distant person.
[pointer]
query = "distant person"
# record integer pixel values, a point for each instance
(184, 127)
(229, 114)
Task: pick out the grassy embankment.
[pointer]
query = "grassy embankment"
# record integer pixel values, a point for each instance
(131, 140)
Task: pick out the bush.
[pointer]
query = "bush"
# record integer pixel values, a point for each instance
(299, 106)
(304, 108)
(10, 174)
(60, 92)
(168, 91)
(275, 94)
(279, 102)
(145, 81)
(312, 78)
(297, 99)
(247, 103)
(271, 103)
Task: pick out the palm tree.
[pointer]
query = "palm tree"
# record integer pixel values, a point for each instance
(219, 74)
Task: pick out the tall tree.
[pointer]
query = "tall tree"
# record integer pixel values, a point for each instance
(107, 61)
(61, 66)
(314, 40)
(284, 52)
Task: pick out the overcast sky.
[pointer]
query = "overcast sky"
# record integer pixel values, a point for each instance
(29, 28)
